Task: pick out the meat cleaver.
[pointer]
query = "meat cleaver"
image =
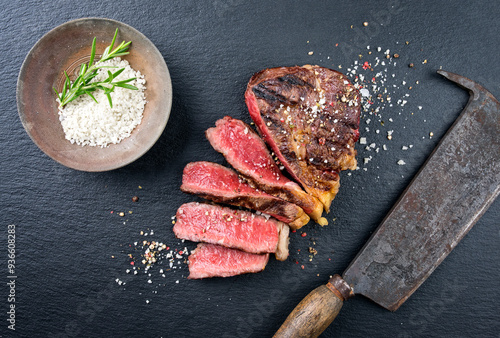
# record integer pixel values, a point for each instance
(453, 189)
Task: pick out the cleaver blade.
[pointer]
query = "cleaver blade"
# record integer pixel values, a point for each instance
(448, 195)
(452, 190)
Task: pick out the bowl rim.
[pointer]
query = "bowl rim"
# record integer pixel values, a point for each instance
(166, 109)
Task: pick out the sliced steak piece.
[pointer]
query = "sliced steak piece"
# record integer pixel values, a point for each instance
(237, 229)
(209, 260)
(247, 153)
(223, 185)
(309, 116)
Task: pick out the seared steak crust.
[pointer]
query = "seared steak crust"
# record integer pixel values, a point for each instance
(310, 117)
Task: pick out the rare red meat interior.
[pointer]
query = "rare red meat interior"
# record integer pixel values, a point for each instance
(248, 154)
(309, 116)
(237, 229)
(223, 185)
(209, 260)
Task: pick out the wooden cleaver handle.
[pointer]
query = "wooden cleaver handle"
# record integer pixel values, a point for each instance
(316, 311)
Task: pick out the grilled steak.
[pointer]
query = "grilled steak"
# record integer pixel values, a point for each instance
(309, 116)
(209, 260)
(247, 153)
(235, 229)
(223, 185)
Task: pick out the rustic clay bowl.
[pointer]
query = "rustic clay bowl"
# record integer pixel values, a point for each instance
(65, 48)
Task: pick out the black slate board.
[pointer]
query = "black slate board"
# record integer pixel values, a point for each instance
(67, 235)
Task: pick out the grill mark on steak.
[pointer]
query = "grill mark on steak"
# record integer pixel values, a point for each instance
(314, 133)
(209, 260)
(237, 229)
(248, 154)
(223, 185)
(294, 80)
(267, 94)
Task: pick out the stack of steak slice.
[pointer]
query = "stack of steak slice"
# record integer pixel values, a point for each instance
(309, 116)
(238, 241)
(247, 153)
(223, 185)
(237, 229)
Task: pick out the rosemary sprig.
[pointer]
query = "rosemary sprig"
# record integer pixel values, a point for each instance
(82, 84)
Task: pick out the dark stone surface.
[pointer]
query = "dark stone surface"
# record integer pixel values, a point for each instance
(66, 235)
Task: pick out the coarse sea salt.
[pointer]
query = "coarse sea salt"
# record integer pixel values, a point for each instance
(88, 123)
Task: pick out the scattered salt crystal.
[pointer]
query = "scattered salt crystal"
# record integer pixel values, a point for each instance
(364, 92)
(362, 140)
(401, 162)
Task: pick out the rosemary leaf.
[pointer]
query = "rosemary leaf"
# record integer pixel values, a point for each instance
(92, 52)
(109, 100)
(83, 85)
(126, 86)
